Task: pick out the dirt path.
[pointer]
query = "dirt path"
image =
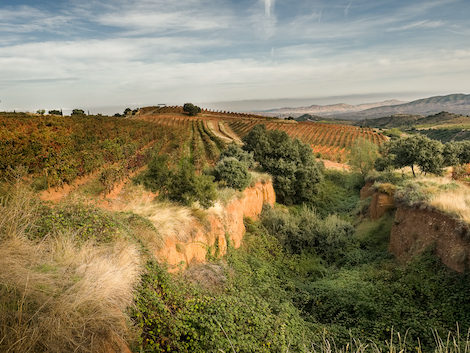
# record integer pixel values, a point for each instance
(334, 165)
(55, 195)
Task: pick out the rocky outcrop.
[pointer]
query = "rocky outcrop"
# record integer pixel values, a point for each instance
(380, 204)
(416, 230)
(382, 199)
(210, 236)
(367, 190)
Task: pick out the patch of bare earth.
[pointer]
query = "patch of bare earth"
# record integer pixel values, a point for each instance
(334, 165)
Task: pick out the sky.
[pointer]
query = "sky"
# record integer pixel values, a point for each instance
(106, 55)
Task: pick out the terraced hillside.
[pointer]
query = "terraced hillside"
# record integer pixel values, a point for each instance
(330, 141)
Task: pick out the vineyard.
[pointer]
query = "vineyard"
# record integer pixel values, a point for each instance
(59, 150)
(62, 149)
(330, 141)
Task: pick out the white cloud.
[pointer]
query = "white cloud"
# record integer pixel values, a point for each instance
(346, 10)
(268, 7)
(26, 19)
(418, 24)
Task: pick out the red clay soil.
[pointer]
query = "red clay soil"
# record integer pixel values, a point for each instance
(416, 230)
(229, 222)
(55, 195)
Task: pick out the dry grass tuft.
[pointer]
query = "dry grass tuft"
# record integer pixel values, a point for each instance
(259, 178)
(455, 202)
(447, 196)
(57, 296)
(171, 221)
(453, 343)
(18, 207)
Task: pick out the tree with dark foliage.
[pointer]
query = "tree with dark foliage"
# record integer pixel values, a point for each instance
(295, 171)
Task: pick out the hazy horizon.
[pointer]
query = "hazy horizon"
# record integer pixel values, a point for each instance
(255, 105)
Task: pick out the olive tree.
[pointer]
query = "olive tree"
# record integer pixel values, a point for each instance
(411, 151)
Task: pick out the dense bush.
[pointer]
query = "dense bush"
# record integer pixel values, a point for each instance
(247, 310)
(233, 150)
(295, 171)
(186, 187)
(180, 184)
(233, 173)
(331, 238)
(337, 193)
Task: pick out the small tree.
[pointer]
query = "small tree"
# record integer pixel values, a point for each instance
(158, 174)
(295, 171)
(186, 187)
(78, 112)
(191, 109)
(456, 153)
(41, 111)
(362, 156)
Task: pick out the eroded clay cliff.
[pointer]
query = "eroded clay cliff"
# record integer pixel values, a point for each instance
(416, 230)
(218, 228)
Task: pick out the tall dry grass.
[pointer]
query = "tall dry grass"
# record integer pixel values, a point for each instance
(57, 296)
(172, 220)
(448, 196)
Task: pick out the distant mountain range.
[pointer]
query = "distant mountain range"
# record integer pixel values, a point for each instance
(453, 103)
(326, 110)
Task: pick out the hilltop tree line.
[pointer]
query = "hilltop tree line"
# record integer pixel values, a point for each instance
(430, 156)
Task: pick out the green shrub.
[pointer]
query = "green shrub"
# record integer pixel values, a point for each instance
(233, 172)
(157, 175)
(306, 231)
(186, 187)
(233, 150)
(180, 184)
(87, 222)
(337, 193)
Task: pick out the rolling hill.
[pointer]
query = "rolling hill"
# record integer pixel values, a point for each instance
(453, 103)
